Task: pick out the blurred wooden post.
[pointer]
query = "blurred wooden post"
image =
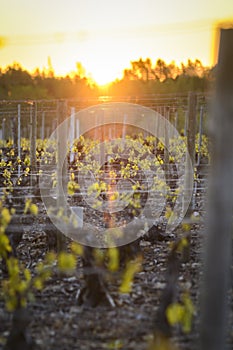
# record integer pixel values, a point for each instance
(190, 157)
(42, 126)
(19, 137)
(4, 129)
(62, 174)
(200, 135)
(217, 259)
(185, 122)
(33, 117)
(176, 119)
(72, 133)
(191, 126)
(166, 144)
(14, 131)
(124, 127)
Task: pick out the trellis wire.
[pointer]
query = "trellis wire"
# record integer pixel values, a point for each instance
(167, 105)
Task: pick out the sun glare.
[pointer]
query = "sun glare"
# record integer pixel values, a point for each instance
(105, 67)
(103, 75)
(102, 81)
(98, 70)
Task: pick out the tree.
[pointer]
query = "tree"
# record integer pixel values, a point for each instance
(141, 69)
(161, 70)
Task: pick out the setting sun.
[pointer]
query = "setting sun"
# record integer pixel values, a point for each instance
(103, 75)
(101, 70)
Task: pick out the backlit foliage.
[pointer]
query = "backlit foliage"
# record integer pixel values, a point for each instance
(181, 313)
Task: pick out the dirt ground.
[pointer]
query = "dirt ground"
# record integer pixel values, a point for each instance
(57, 322)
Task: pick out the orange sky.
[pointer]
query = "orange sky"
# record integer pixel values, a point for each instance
(106, 35)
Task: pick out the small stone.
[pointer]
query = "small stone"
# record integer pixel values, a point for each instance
(160, 285)
(145, 244)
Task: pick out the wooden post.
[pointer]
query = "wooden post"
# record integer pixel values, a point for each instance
(19, 137)
(72, 133)
(4, 129)
(190, 158)
(217, 259)
(62, 174)
(166, 144)
(77, 134)
(33, 117)
(185, 122)
(124, 127)
(14, 131)
(176, 119)
(200, 136)
(42, 126)
(191, 127)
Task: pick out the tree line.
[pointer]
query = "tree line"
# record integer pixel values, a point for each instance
(141, 78)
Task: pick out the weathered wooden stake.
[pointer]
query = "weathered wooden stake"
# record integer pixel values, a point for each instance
(62, 171)
(176, 119)
(42, 126)
(191, 126)
(72, 133)
(217, 258)
(166, 144)
(4, 129)
(190, 158)
(185, 122)
(33, 124)
(200, 135)
(19, 137)
(14, 131)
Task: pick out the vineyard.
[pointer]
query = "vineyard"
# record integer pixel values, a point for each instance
(102, 213)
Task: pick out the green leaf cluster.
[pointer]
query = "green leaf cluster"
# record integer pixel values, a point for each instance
(181, 313)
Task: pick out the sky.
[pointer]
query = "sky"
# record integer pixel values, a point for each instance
(105, 35)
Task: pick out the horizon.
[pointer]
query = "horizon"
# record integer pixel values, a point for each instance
(47, 71)
(106, 38)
